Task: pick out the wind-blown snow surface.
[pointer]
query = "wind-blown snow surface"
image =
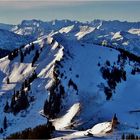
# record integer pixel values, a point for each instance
(83, 56)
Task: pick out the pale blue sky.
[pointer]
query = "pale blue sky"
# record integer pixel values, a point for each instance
(14, 11)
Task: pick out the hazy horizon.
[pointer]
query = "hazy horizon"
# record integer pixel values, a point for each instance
(13, 11)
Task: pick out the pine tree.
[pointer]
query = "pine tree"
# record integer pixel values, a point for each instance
(23, 102)
(6, 107)
(46, 108)
(8, 80)
(62, 90)
(29, 86)
(35, 57)
(34, 75)
(1, 130)
(25, 83)
(32, 46)
(5, 123)
(13, 102)
(21, 56)
(123, 136)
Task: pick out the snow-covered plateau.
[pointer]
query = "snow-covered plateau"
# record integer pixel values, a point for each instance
(83, 78)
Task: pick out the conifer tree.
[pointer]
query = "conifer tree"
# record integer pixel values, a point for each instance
(5, 123)
(8, 80)
(35, 57)
(32, 46)
(46, 107)
(21, 56)
(6, 107)
(1, 130)
(13, 102)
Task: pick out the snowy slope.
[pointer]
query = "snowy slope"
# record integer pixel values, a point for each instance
(95, 31)
(84, 52)
(82, 67)
(10, 40)
(37, 28)
(85, 72)
(17, 73)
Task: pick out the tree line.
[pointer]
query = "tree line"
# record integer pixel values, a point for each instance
(39, 132)
(113, 75)
(19, 100)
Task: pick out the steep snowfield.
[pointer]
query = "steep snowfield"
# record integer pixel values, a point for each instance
(83, 31)
(101, 129)
(18, 72)
(66, 29)
(117, 36)
(63, 122)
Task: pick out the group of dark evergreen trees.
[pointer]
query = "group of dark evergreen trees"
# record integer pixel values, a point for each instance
(29, 49)
(39, 132)
(4, 52)
(19, 100)
(13, 54)
(130, 136)
(35, 58)
(71, 83)
(22, 52)
(5, 125)
(53, 105)
(52, 42)
(113, 75)
(135, 70)
(122, 57)
(126, 54)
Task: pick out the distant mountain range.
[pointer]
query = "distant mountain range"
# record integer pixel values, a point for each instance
(33, 29)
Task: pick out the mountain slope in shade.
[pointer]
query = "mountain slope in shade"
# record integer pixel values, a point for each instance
(6, 26)
(10, 40)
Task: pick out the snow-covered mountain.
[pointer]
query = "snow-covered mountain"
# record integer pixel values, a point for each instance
(95, 31)
(75, 75)
(37, 28)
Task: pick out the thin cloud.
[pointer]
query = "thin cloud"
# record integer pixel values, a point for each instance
(22, 4)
